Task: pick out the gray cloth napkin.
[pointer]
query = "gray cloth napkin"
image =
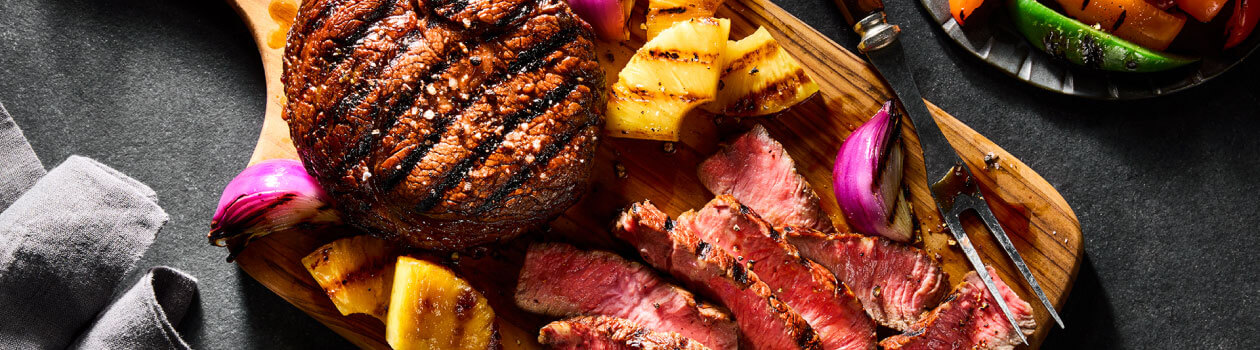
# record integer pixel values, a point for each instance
(66, 241)
(21, 167)
(145, 316)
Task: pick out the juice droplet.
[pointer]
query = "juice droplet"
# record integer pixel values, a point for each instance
(277, 38)
(282, 12)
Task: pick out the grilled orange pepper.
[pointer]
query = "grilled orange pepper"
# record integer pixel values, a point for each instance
(1133, 20)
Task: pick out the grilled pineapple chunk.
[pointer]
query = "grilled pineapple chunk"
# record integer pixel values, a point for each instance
(662, 14)
(432, 308)
(356, 273)
(668, 77)
(759, 77)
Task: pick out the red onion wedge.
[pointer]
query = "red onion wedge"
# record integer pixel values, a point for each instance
(608, 17)
(867, 178)
(270, 196)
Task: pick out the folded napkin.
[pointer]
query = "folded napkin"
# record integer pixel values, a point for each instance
(21, 168)
(67, 238)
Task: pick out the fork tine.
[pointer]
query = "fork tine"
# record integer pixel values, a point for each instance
(964, 202)
(995, 228)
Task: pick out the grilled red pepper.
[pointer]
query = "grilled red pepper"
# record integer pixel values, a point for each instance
(1242, 23)
(1202, 10)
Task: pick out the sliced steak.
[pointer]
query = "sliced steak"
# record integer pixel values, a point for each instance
(969, 319)
(757, 171)
(896, 283)
(560, 280)
(812, 291)
(764, 320)
(445, 123)
(610, 333)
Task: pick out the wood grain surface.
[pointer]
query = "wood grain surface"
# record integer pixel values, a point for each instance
(1041, 224)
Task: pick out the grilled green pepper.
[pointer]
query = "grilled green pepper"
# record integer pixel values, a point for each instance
(1075, 42)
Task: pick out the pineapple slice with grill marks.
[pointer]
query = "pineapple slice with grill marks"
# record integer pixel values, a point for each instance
(432, 308)
(759, 78)
(356, 273)
(662, 14)
(668, 77)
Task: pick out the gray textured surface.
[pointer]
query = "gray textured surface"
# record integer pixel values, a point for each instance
(171, 92)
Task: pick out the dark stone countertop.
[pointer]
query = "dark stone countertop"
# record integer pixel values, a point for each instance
(171, 92)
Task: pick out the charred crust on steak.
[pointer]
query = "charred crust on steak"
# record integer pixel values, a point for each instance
(446, 124)
(774, 234)
(702, 248)
(740, 274)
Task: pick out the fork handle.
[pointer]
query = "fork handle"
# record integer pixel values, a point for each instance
(856, 10)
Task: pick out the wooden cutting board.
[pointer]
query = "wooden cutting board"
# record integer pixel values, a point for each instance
(1041, 224)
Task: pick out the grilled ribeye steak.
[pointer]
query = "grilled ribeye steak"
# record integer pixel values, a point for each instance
(446, 123)
(610, 333)
(756, 170)
(969, 319)
(812, 291)
(560, 280)
(896, 283)
(764, 320)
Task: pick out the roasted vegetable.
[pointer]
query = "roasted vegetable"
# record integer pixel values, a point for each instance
(961, 9)
(662, 14)
(867, 178)
(607, 17)
(432, 308)
(1202, 10)
(1134, 20)
(273, 195)
(668, 77)
(1075, 42)
(1242, 23)
(759, 77)
(356, 273)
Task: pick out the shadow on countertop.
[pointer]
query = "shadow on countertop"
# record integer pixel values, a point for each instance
(1088, 315)
(274, 323)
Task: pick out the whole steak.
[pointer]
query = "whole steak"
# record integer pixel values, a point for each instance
(444, 123)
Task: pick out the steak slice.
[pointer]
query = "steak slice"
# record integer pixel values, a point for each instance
(969, 319)
(610, 333)
(447, 123)
(560, 280)
(764, 320)
(896, 283)
(757, 171)
(825, 303)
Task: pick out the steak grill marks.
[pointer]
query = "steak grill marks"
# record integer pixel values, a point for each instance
(447, 8)
(496, 199)
(367, 141)
(528, 60)
(405, 101)
(460, 171)
(352, 70)
(355, 95)
(344, 45)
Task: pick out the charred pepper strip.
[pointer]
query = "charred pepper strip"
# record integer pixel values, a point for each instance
(1242, 23)
(1075, 42)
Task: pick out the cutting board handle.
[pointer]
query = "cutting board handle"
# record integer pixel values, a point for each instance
(268, 22)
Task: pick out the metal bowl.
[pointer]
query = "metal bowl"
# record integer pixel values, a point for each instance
(998, 43)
